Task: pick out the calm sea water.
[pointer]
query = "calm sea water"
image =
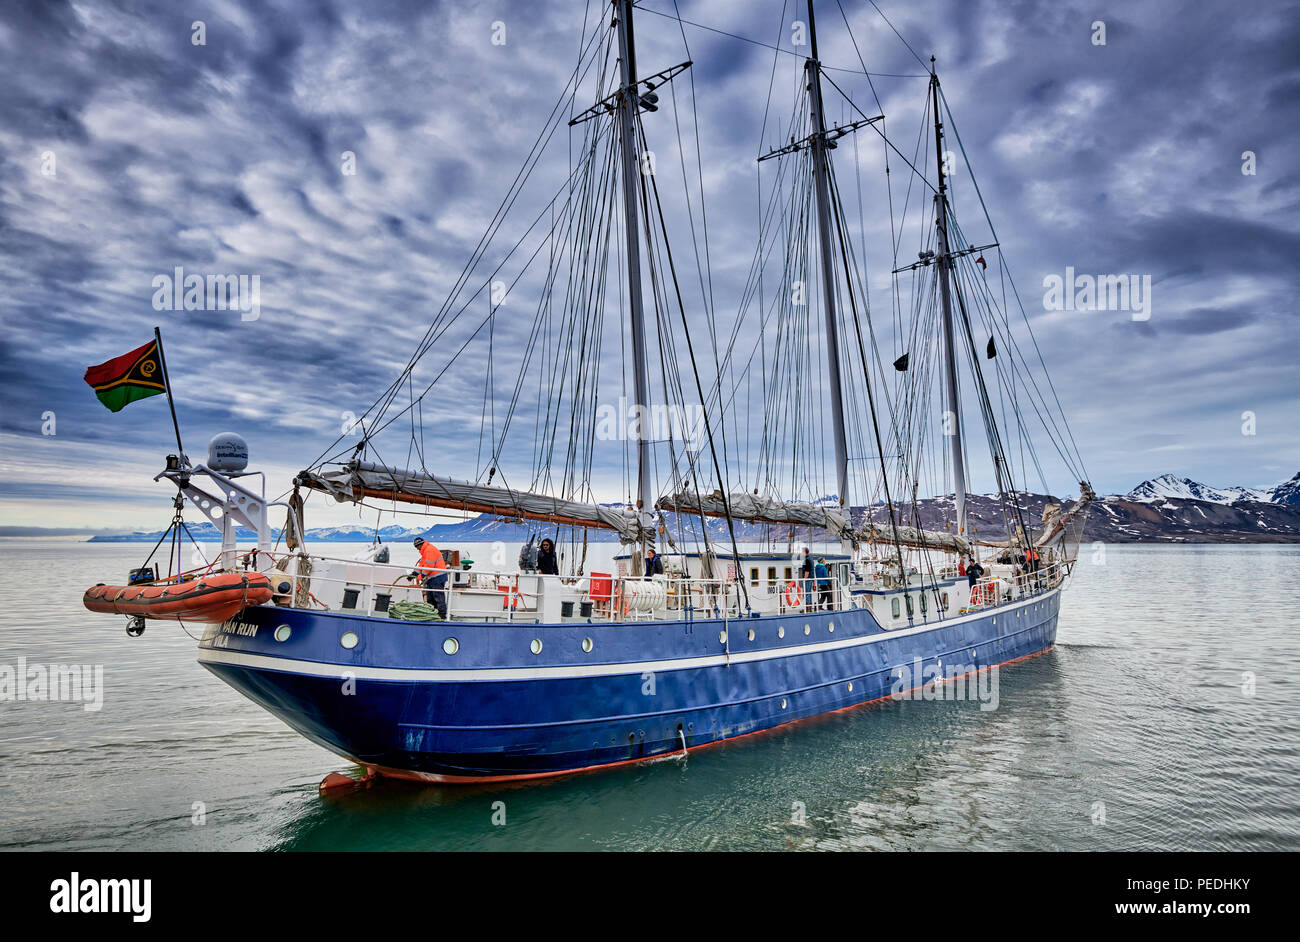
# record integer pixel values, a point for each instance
(1141, 731)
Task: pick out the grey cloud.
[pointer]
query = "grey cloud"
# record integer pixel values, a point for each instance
(229, 161)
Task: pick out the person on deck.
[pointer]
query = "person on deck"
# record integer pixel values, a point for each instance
(547, 564)
(806, 573)
(654, 566)
(973, 571)
(432, 568)
(823, 583)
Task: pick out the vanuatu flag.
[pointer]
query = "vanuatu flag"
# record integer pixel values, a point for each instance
(132, 376)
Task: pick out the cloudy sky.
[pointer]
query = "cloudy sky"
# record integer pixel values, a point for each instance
(127, 149)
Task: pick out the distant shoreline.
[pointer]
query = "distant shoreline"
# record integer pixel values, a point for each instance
(1111, 520)
(1262, 540)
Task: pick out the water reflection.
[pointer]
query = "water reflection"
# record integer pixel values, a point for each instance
(892, 775)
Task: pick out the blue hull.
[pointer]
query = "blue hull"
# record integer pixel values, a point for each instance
(399, 703)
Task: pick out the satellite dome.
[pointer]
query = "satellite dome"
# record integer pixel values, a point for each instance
(227, 452)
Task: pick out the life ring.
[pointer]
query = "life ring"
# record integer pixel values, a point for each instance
(793, 594)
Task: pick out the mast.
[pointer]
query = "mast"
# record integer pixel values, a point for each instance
(628, 106)
(822, 181)
(944, 262)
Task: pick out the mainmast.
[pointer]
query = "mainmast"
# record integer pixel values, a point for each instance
(821, 179)
(952, 418)
(629, 104)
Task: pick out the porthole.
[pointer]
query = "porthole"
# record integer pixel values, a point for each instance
(282, 633)
(349, 639)
(536, 646)
(450, 646)
(722, 637)
(587, 645)
(780, 631)
(850, 686)
(783, 703)
(807, 629)
(831, 626)
(751, 634)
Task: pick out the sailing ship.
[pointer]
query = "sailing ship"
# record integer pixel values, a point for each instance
(533, 674)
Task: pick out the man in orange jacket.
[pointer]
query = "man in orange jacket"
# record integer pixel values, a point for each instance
(432, 568)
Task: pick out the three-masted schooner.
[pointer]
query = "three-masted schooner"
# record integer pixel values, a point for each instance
(534, 674)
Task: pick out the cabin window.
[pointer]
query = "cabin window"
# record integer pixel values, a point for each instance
(893, 603)
(789, 573)
(844, 573)
(923, 606)
(381, 601)
(771, 575)
(943, 597)
(910, 609)
(753, 576)
(350, 597)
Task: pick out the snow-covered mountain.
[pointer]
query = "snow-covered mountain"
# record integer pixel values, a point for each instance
(1169, 485)
(356, 533)
(204, 532)
(1288, 492)
(1163, 509)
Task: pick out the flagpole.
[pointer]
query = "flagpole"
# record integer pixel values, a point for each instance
(180, 449)
(157, 334)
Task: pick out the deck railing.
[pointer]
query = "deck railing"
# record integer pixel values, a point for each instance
(595, 595)
(365, 587)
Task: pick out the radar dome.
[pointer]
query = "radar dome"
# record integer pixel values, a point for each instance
(227, 452)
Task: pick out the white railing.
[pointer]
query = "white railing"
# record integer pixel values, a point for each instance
(370, 588)
(998, 590)
(365, 587)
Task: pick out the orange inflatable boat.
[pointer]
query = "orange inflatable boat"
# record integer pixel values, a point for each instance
(212, 598)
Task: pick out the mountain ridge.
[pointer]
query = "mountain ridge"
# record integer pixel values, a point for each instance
(1167, 509)
(1170, 485)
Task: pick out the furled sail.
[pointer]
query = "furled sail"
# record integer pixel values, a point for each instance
(763, 509)
(359, 479)
(1063, 526)
(798, 513)
(910, 536)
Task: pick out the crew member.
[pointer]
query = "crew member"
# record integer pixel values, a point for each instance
(654, 566)
(823, 583)
(432, 568)
(547, 564)
(806, 572)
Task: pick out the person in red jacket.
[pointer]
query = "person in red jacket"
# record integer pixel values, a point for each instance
(432, 568)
